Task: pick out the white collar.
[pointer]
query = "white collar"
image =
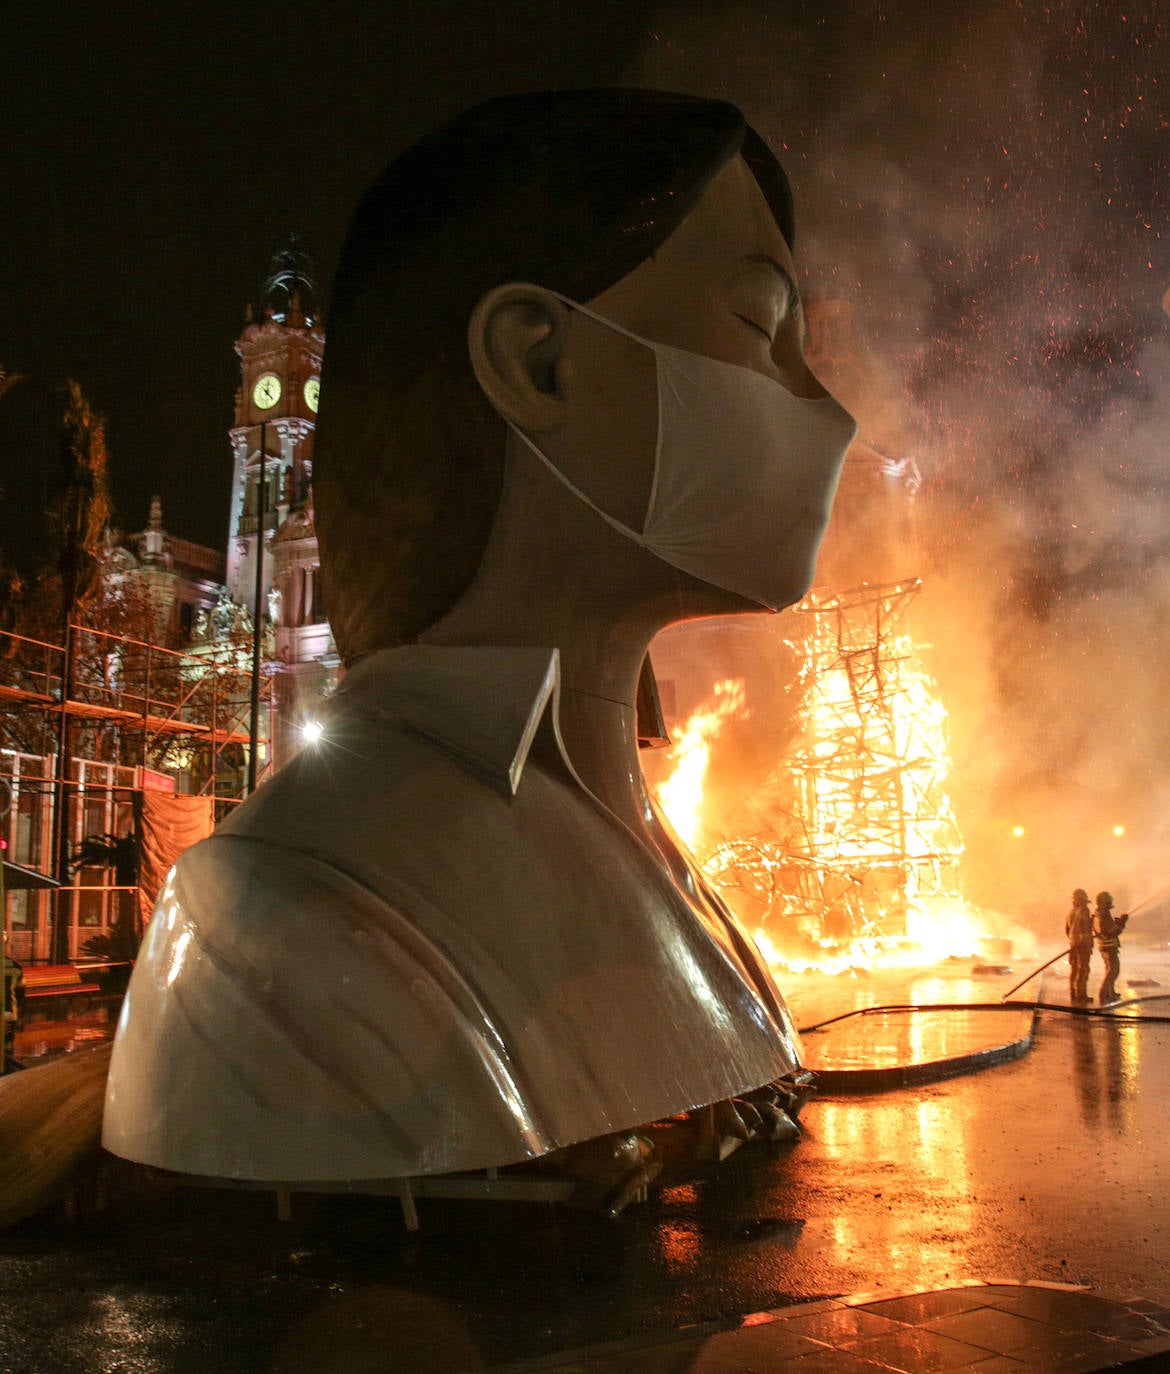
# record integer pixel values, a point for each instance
(480, 704)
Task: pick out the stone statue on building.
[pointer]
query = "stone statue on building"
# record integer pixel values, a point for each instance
(456, 933)
(223, 615)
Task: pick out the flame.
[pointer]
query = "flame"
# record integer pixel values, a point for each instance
(851, 855)
(681, 795)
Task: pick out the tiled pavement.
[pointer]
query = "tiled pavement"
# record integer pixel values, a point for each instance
(991, 1326)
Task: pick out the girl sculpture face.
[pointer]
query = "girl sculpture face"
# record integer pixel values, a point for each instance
(723, 285)
(590, 399)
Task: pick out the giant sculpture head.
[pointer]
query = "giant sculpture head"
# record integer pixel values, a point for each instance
(564, 403)
(465, 269)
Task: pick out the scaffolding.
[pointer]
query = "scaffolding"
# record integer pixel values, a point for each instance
(87, 724)
(153, 698)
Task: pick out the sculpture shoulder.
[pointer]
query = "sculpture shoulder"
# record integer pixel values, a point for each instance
(281, 1022)
(402, 815)
(385, 964)
(367, 773)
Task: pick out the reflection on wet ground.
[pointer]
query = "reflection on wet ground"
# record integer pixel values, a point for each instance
(1056, 1328)
(884, 1040)
(1052, 1167)
(861, 1051)
(817, 997)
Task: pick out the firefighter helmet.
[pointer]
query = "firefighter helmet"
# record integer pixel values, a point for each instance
(1080, 896)
(1104, 899)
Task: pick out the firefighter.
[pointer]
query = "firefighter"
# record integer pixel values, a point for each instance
(1107, 929)
(1078, 931)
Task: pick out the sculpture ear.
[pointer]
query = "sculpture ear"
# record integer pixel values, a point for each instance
(516, 338)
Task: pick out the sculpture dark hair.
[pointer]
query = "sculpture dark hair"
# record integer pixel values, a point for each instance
(570, 190)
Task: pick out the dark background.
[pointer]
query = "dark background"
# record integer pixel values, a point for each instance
(990, 187)
(153, 156)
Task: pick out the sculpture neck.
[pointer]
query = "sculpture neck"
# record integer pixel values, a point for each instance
(600, 737)
(597, 715)
(554, 575)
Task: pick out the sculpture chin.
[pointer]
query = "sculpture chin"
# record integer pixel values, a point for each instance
(792, 565)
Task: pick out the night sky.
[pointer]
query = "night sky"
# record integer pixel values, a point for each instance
(154, 154)
(990, 187)
(989, 184)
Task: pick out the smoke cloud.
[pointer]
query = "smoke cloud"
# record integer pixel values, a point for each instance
(988, 186)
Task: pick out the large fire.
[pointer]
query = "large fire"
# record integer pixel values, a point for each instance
(849, 853)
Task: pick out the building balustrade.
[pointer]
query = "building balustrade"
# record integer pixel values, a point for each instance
(249, 524)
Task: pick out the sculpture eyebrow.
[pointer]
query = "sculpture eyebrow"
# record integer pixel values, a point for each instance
(766, 260)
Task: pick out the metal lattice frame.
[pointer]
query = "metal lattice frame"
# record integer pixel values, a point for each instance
(861, 824)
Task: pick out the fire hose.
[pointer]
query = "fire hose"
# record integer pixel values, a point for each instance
(1035, 971)
(1113, 1013)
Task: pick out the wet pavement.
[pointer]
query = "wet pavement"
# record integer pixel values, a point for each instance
(882, 1049)
(1049, 1168)
(989, 1328)
(40, 1041)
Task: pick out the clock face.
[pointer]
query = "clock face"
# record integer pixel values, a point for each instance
(266, 392)
(313, 393)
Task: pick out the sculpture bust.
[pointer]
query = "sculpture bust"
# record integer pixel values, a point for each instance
(564, 405)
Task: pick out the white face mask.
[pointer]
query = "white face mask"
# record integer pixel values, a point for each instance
(744, 475)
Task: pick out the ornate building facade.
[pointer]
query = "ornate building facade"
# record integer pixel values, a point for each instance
(160, 687)
(182, 581)
(204, 602)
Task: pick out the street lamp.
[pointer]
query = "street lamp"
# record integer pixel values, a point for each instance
(257, 623)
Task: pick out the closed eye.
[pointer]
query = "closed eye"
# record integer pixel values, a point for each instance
(751, 324)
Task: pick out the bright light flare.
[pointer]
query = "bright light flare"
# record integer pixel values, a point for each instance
(178, 955)
(1119, 830)
(311, 731)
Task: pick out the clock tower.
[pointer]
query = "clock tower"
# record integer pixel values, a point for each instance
(276, 411)
(272, 496)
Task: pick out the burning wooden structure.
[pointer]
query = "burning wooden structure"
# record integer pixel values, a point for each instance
(859, 851)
